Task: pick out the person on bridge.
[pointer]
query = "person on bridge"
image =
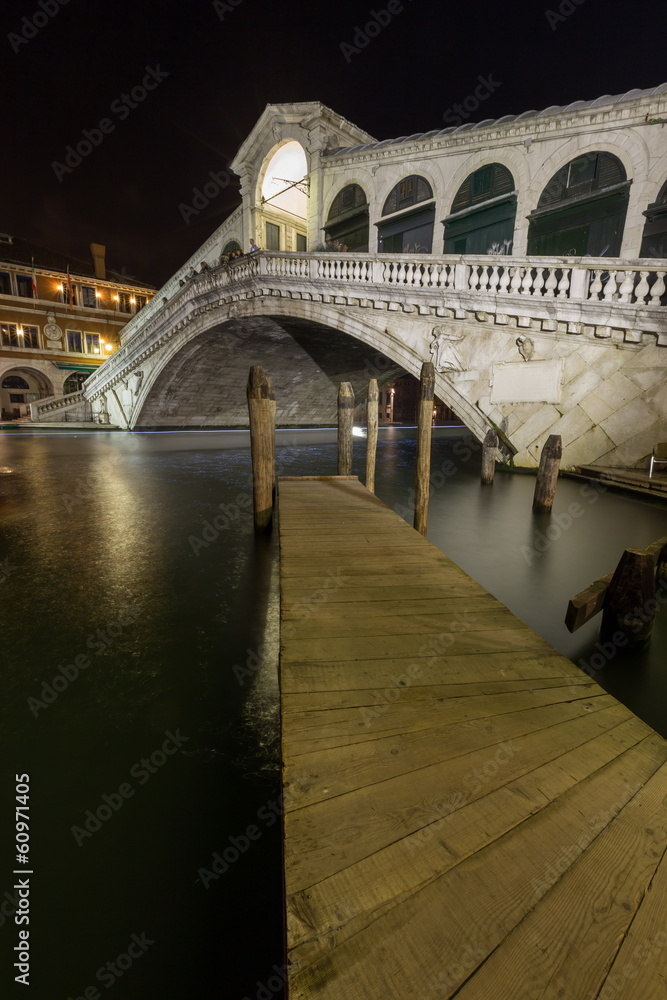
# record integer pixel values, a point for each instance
(253, 246)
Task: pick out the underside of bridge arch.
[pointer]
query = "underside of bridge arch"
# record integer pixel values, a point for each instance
(204, 384)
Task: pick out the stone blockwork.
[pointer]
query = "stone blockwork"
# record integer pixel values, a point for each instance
(306, 361)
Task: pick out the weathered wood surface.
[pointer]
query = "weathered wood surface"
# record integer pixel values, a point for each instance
(590, 602)
(547, 475)
(262, 421)
(466, 812)
(372, 433)
(489, 455)
(424, 434)
(345, 427)
(629, 604)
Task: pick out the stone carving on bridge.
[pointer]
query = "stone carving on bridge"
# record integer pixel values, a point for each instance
(137, 385)
(444, 355)
(526, 347)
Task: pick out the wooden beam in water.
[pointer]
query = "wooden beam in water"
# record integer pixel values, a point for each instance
(262, 412)
(489, 453)
(372, 436)
(424, 433)
(547, 475)
(345, 426)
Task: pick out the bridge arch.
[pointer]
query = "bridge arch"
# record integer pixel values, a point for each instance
(348, 217)
(307, 347)
(483, 212)
(281, 197)
(20, 385)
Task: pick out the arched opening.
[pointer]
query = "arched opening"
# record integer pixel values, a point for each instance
(582, 209)
(408, 216)
(483, 213)
(347, 223)
(283, 210)
(74, 382)
(231, 245)
(18, 389)
(654, 238)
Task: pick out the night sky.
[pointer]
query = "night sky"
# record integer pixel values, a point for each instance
(226, 60)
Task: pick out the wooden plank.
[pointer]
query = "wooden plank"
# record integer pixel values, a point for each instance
(587, 604)
(446, 774)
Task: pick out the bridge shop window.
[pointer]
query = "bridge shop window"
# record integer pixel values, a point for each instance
(74, 382)
(483, 213)
(582, 209)
(231, 245)
(654, 239)
(347, 222)
(410, 208)
(14, 382)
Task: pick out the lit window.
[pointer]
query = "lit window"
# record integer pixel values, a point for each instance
(92, 343)
(75, 341)
(88, 296)
(124, 302)
(24, 285)
(29, 338)
(141, 302)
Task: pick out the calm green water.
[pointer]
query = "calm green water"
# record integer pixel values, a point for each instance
(110, 557)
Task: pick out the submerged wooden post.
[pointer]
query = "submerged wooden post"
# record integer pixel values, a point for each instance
(372, 436)
(630, 604)
(547, 475)
(424, 429)
(489, 452)
(261, 412)
(345, 425)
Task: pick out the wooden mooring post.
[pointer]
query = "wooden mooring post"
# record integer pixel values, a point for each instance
(424, 430)
(489, 453)
(345, 427)
(630, 605)
(372, 435)
(547, 475)
(262, 413)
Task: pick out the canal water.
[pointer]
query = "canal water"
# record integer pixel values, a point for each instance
(139, 642)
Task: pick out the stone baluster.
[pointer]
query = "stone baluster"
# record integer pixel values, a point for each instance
(494, 278)
(527, 283)
(517, 277)
(538, 282)
(473, 278)
(658, 289)
(483, 278)
(596, 286)
(504, 282)
(564, 284)
(641, 291)
(610, 287)
(552, 284)
(627, 286)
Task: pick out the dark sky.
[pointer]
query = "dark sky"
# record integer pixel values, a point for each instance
(225, 65)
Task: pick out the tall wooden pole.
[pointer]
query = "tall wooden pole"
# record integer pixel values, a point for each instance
(372, 437)
(629, 604)
(261, 411)
(424, 429)
(547, 475)
(345, 425)
(489, 452)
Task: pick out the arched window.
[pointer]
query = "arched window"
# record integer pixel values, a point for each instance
(654, 239)
(483, 213)
(231, 245)
(411, 209)
(74, 382)
(14, 382)
(347, 222)
(582, 209)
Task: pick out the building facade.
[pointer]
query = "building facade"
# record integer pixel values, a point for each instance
(60, 318)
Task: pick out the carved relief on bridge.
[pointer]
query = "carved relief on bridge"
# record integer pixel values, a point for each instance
(444, 355)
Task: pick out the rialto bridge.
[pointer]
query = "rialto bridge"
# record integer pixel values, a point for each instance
(544, 308)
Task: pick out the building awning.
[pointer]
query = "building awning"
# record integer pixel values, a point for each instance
(76, 368)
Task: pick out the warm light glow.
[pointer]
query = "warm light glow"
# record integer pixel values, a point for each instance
(108, 347)
(115, 298)
(98, 295)
(20, 333)
(133, 300)
(60, 288)
(288, 164)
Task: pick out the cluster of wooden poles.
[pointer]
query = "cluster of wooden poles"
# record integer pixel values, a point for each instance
(262, 418)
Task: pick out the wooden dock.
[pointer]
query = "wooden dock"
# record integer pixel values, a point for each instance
(466, 813)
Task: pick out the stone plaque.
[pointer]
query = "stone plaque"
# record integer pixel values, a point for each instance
(527, 382)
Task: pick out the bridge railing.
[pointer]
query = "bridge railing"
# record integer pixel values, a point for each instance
(584, 279)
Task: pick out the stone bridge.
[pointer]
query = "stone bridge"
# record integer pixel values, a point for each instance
(532, 345)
